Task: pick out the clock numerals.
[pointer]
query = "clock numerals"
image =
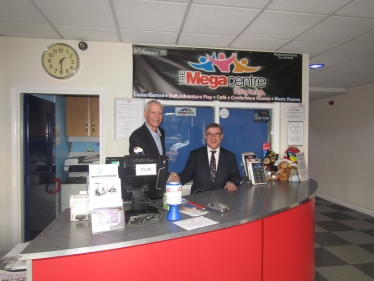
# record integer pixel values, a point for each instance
(60, 61)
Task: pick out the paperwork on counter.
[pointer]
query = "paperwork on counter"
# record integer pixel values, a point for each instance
(13, 264)
(194, 223)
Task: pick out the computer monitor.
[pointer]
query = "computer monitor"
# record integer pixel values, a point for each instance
(143, 177)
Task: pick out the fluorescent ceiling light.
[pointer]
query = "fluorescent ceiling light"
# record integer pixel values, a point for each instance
(316, 65)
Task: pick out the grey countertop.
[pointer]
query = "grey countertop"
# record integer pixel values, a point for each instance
(248, 203)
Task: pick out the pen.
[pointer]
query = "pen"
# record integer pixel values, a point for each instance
(196, 205)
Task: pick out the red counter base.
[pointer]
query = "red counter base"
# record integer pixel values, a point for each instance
(279, 247)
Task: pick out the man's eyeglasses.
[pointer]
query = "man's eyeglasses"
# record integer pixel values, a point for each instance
(210, 135)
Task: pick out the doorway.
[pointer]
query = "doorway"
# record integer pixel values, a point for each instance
(17, 98)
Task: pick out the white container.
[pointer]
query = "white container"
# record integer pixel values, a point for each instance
(173, 193)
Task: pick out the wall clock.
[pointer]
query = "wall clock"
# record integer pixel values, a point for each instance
(60, 61)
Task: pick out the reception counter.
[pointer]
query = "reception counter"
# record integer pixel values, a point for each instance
(268, 234)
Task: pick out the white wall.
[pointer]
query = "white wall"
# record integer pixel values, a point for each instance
(104, 67)
(341, 138)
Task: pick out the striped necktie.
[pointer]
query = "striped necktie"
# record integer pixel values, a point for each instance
(212, 166)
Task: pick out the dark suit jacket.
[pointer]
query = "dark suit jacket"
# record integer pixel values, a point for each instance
(197, 169)
(142, 137)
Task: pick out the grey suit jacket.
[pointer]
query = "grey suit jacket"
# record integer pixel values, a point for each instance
(197, 169)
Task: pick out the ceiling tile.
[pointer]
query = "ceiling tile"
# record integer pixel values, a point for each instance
(149, 16)
(365, 39)
(217, 20)
(308, 6)
(256, 4)
(20, 11)
(281, 25)
(200, 40)
(28, 30)
(310, 48)
(88, 33)
(82, 13)
(346, 52)
(337, 30)
(359, 9)
(148, 37)
(258, 44)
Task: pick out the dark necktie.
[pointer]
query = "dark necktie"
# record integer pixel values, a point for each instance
(212, 166)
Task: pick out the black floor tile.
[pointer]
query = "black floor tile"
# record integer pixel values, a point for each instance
(338, 215)
(367, 247)
(333, 225)
(369, 220)
(318, 277)
(340, 208)
(326, 258)
(326, 239)
(369, 232)
(367, 268)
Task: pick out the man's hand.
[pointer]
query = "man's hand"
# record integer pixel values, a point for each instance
(173, 177)
(230, 186)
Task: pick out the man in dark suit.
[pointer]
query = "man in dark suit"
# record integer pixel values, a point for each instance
(149, 138)
(207, 172)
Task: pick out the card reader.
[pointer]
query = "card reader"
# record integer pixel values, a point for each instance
(218, 207)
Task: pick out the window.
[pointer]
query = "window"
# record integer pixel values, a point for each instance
(241, 132)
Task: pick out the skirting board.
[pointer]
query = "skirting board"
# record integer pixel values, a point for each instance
(358, 209)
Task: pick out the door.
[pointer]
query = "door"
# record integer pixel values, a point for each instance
(40, 185)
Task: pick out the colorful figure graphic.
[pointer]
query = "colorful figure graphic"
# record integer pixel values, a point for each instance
(204, 64)
(242, 66)
(222, 62)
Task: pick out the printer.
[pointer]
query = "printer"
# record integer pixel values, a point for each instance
(77, 166)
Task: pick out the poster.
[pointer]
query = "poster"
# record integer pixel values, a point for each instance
(216, 75)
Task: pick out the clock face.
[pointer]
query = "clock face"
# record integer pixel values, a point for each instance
(60, 61)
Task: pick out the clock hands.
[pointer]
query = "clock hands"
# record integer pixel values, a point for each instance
(61, 60)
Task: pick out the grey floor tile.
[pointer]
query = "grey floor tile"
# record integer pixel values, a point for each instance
(325, 258)
(351, 254)
(326, 239)
(322, 208)
(333, 226)
(367, 268)
(358, 215)
(321, 217)
(317, 228)
(340, 208)
(357, 224)
(356, 237)
(338, 216)
(319, 277)
(343, 273)
(323, 202)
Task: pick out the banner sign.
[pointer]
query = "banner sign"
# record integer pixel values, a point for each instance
(216, 75)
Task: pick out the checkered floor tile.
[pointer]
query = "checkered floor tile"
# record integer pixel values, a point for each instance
(344, 243)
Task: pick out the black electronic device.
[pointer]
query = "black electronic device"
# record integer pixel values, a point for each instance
(139, 188)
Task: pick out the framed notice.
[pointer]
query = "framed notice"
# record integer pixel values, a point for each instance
(128, 116)
(295, 133)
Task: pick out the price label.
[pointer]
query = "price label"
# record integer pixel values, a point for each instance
(145, 169)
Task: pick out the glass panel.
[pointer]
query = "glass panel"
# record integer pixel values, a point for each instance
(242, 134)
(184, 133)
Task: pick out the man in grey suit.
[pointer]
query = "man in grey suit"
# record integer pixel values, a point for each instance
(211, 166)
(149, 138)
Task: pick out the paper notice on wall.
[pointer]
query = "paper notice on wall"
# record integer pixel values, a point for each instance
(293, 112)
(302, 168)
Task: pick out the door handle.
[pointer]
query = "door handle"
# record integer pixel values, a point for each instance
(52, 191)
